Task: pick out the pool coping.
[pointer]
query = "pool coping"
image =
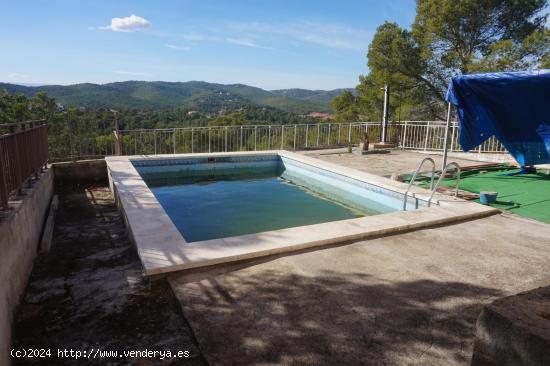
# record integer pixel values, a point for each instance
(162, 248)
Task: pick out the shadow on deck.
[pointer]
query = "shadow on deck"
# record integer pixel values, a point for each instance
(88, 292)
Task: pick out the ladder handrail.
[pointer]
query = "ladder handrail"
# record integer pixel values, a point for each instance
(413, 178)
(441, 178)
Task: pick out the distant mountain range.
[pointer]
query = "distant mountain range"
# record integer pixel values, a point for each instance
(199, 95)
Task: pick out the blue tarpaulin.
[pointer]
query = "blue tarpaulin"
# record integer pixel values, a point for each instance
(513, 106)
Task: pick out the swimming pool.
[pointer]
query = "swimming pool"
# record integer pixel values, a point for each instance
(220, 199)
(196, 210)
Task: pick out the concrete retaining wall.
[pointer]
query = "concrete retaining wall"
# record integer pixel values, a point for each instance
(20, 231)
(80, 172)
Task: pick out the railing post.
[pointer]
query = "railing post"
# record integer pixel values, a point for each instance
(307, 133)
(174, 140)
(282, 136)
(403, 139)
(209, 139)
(269, 138)
(453, 135)
(426, 137)
(339, 132)
(318, 133)
(225, 138)
(328, 135)
(155, 141)
(255, 136)
(349, 134)
(241, 145)
(118, 147)
(295, 132)
(192, 138)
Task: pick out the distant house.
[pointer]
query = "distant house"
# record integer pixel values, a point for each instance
(320, 115)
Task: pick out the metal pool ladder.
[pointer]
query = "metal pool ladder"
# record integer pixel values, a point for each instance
(413, 178)
(441, 178)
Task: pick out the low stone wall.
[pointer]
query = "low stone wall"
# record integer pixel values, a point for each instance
(514, 330)
(20, 232)
(80, 172)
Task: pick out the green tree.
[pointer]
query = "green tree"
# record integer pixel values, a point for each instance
(393, 59)
(452, 37)
(345, 107)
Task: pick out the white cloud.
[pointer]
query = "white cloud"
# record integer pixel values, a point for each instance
(195, 37)
(127, 24)
(247, 42)
(179, 48)
(132, 73)
(327, 35)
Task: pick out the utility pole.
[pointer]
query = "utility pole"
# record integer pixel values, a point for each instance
(386, 113)
(384, 143)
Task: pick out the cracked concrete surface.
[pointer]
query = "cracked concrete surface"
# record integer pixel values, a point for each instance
(410, 299)
(89, 292)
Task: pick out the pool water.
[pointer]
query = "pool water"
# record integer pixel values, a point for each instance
(216, 204)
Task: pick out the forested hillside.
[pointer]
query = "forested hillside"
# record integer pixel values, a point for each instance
(201, 96)
(89, 131)
(320, 96)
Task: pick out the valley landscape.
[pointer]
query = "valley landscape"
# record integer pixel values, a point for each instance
(196, 95)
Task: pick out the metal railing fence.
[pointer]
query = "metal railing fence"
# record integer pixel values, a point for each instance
(412, 135)
(24, 146)
(23, 153)
(243, 138)
(430, 136)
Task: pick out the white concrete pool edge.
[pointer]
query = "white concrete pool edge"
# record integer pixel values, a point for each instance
(163, 249)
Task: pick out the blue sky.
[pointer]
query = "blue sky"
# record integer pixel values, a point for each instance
(269, 44)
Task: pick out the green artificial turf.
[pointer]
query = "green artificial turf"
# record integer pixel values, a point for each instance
(526, 195)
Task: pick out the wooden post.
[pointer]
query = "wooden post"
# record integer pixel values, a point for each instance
(118, 150)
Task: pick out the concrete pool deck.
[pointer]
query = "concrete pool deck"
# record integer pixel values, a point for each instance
(397, 161)
(163, 249)
(408, 299)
